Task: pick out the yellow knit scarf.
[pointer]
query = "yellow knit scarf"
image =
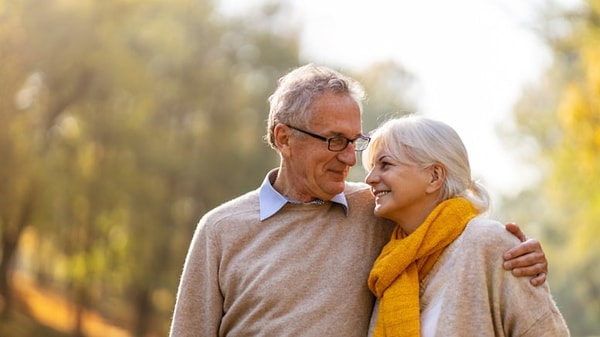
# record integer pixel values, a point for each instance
(406, 260)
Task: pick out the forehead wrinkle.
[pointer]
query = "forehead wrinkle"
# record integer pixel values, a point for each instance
(331, 113)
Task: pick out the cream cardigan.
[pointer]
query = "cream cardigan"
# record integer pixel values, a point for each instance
(468, 293)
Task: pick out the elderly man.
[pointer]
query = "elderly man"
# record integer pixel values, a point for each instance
(292, 257)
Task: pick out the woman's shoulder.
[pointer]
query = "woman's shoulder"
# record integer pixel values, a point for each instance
(488, 234)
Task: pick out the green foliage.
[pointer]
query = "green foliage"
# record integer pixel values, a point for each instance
(128, 120)
(561, 117)
(121, 124)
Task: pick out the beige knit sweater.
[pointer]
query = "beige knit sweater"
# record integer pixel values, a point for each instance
(468, 293)
(302, 272)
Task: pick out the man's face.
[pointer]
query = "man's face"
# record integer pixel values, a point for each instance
(313, 170)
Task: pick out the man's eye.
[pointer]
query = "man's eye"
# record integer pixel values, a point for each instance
(338, 141)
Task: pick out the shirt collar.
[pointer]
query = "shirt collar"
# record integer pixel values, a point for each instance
(271, 201)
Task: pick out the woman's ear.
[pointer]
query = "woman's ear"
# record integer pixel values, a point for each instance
(438, 177)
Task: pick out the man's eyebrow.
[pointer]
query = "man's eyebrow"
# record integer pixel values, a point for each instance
(336, 134)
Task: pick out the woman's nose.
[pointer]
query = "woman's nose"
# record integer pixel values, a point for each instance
(371, 177)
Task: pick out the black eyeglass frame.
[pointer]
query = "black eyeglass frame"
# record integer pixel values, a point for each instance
(328, 140)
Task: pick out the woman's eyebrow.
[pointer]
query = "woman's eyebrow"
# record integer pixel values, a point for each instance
(383, 157)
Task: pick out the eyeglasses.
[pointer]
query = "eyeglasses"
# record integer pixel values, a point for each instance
(338, 143)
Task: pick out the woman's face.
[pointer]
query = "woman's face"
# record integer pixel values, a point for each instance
(402, 189)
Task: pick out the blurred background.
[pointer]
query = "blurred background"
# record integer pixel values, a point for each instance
(123, 121)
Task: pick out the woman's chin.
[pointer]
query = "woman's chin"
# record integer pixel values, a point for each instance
(379, 211)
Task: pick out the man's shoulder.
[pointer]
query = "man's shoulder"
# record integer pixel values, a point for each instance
(356, 188)
(244, 204)
(359, 193)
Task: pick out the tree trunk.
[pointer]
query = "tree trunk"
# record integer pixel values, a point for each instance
(144, 312)
(11, 234)
(10, 238)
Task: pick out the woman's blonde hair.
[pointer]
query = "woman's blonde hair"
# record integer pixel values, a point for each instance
(424, 142)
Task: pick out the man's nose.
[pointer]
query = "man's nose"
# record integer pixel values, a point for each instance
(348, 155)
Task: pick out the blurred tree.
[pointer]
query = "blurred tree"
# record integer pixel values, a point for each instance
(389, 88)
(19, 139)
(143, 112)
(122, 123)
(558, 121)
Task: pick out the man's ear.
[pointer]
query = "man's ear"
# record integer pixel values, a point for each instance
(438, 177)
(282, 139)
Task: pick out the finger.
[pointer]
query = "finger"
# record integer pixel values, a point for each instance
(538, 280)
(530, 271)
(515, 230)
(531, 246)
(534, 260)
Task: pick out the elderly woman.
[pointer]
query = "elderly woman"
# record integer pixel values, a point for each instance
(439, 274)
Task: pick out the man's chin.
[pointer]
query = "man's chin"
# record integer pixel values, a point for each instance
(336, 188)
(338, 177)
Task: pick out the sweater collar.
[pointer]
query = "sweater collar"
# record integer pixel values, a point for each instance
(271, 201)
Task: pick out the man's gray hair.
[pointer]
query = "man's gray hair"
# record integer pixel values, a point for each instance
(296, 91)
